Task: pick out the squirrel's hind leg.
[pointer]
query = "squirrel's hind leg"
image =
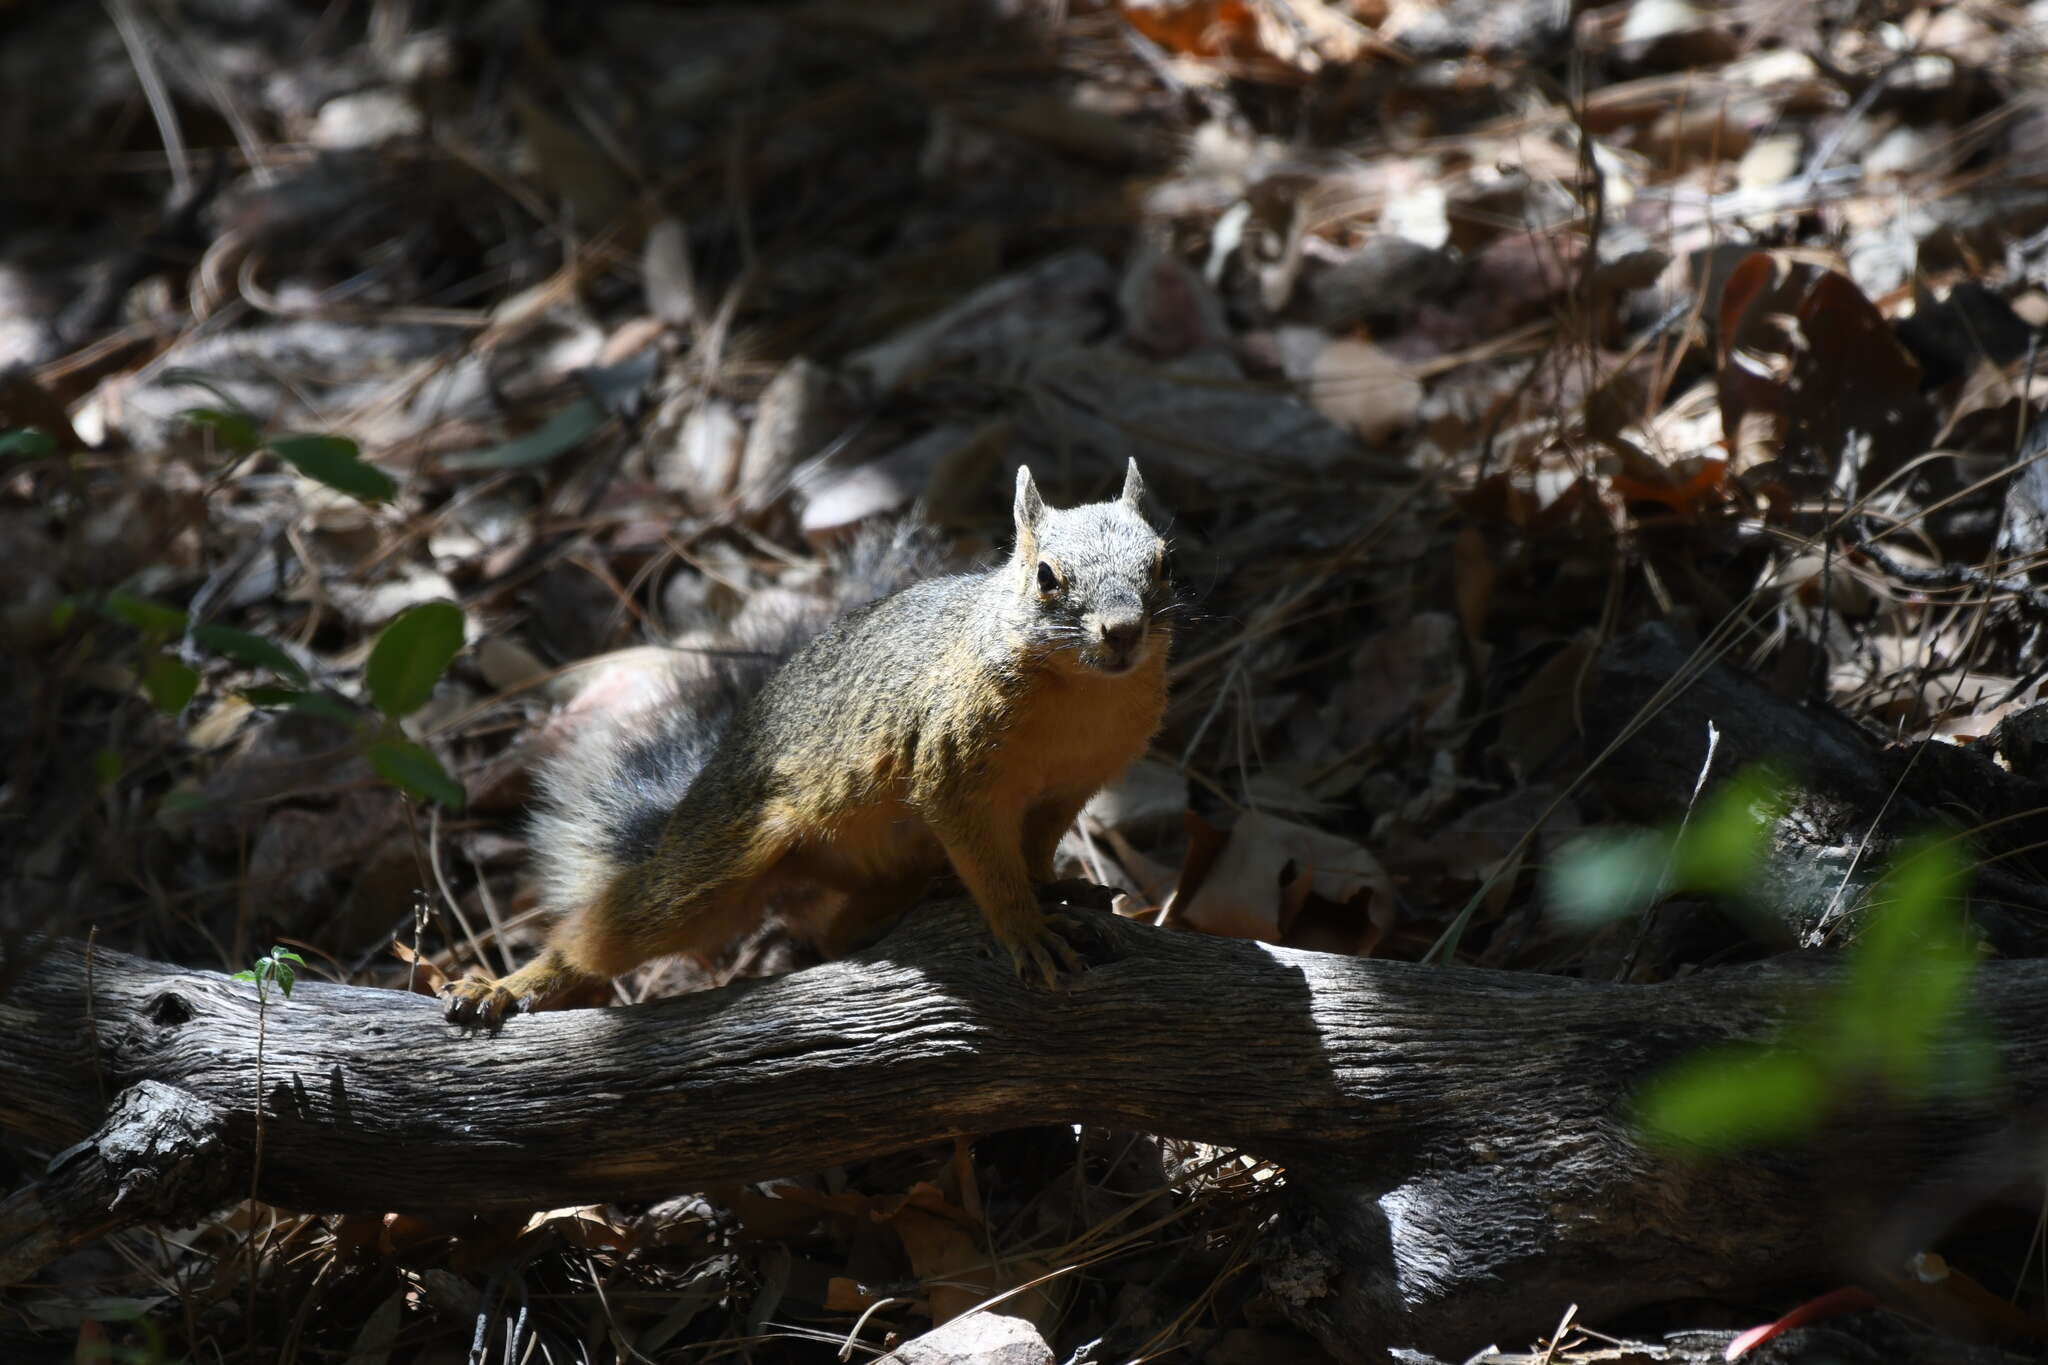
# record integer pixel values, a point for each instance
(636, 920)
(550, 981)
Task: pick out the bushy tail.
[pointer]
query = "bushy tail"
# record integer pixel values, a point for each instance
(606, 795)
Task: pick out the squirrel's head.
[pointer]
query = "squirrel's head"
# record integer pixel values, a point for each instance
(1093, 579)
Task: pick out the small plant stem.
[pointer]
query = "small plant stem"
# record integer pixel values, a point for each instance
(256, 1158)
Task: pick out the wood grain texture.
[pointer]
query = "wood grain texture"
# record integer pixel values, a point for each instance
(1461, 1163)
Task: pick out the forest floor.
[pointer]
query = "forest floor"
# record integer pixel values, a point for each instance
(1454, 339)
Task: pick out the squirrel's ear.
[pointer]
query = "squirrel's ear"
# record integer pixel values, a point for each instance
(1134, 486)
(1030, 508)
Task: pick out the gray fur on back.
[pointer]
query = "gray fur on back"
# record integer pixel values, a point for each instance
(603, 799)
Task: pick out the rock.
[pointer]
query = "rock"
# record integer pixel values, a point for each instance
(988, 1338)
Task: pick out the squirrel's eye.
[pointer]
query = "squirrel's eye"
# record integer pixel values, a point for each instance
(1048, 581)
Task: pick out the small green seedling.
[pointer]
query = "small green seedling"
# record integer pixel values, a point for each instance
(280, 964)
(277, 965)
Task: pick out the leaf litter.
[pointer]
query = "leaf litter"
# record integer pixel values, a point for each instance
(1456, 339)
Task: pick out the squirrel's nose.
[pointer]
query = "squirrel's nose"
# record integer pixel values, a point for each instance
(1121, 634)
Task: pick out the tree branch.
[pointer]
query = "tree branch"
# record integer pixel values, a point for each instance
(1449, 1133)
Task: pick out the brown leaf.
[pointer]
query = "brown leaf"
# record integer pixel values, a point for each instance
(1808, 365)
(1204, 28)
(425, 978)
(1409, 675)
(1360, 387)
(1473, 573)
(843, 1294)
(571, 165)
(587, 1228)
(1544, 716)
(1270, 867)
(943, 1245)
(1205, 845)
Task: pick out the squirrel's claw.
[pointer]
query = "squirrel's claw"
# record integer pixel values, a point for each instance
(478, 1002)
(1045, 958)
(1047, 950)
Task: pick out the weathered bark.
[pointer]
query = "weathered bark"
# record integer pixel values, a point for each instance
(161, 1156)
(1460, 1158)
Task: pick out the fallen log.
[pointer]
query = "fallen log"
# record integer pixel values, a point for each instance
(1461, 1164)
(1851, 800)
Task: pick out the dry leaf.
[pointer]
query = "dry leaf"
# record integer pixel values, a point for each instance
(1803, 351)
(1203, 28)
(843, 1294)
(1270, 866)
(586, 1227)
(1363, 389)
(1545, 714)
(577, 170)
(219, 724)
(945, 1249)
(1473, 572)
(1410, 674)
(425, 978)
(665, 274)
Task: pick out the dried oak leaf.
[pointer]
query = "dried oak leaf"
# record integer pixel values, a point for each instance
(1269, 868)
(1810, 373)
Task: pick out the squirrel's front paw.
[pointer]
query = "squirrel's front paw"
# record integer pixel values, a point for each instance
(478, 1002)
(1046, 951)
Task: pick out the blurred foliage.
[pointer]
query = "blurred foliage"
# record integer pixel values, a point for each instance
(1896, 1015)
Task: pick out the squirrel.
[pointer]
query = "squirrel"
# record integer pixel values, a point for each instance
(962, 720)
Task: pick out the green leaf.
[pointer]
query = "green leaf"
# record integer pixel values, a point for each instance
(106, 766)
(413, 770)
(410, 656)
(62, 614)
(1726, 839)
(243, 647)
(280, 960)
(563, 432)
(1910, 969)
(275, 965)
(1601, 878)
(336, 462)
(232, 427)
(27, 443)
(1730, 1096)
(169, 682)
(306, 703)
(153, 619)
